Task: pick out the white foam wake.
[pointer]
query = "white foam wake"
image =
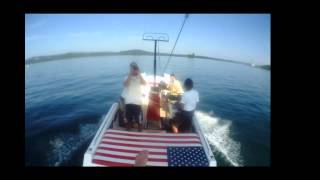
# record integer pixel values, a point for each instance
(217, 131)
(65, 144)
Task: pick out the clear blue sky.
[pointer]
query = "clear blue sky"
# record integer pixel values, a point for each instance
(242, 37)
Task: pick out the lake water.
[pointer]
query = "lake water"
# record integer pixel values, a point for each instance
(66, 100)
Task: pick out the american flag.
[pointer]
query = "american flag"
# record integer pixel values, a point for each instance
(120, 148)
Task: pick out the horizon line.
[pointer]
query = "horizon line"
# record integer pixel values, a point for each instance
(67, 52)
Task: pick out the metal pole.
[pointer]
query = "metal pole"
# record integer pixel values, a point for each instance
(155, 62)
(155, 37)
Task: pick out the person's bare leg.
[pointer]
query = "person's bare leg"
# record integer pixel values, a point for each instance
(174, 128)
(142, 158)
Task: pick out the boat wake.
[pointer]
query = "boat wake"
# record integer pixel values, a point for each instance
(64, 145)
(217, 131)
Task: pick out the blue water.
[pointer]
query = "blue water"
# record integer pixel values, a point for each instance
(65, 101)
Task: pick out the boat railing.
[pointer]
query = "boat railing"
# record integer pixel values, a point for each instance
(205, 143)
(99, 135)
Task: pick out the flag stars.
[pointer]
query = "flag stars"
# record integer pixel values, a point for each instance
(187, 156)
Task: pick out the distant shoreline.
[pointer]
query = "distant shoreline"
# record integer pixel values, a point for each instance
(136, 52)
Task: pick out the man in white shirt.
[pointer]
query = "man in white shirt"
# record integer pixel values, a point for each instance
(188, 104)
(132, 96)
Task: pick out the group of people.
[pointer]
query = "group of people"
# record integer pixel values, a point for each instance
(132, 100)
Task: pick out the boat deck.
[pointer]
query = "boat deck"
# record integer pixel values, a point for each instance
(120, 148)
